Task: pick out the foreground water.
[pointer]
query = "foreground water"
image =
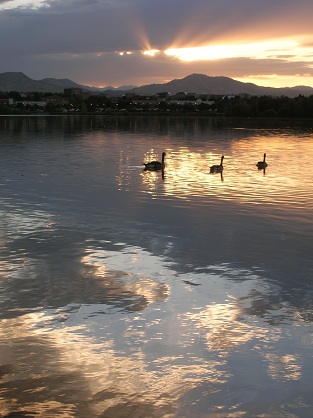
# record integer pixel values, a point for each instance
(127, 293)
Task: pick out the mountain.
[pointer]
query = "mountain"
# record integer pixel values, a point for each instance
(17, 81)
(194, 83)
(114, 90)
(200, 83)
(12, 81)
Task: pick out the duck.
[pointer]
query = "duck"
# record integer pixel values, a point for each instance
(262, 164)
(217, 168)
(155, 165)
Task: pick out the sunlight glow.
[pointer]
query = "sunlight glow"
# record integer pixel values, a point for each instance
(23, 4)
(256, 50)
(277, 80)
(151, 52)
(125, 53)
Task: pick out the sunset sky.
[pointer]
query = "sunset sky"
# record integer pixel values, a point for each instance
(136, 42)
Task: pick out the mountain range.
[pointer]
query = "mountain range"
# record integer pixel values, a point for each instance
(193, 83)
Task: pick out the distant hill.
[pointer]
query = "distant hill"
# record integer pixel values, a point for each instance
(12, 81)
(200, 83)
(17, 81)
(194, 83)
(114, 91)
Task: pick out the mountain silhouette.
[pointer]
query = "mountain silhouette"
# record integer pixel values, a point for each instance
(193, 83)
(203, 84)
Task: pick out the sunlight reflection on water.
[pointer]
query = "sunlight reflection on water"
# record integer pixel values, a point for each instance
(282, 184)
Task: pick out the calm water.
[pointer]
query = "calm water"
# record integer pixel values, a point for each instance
(126, 293)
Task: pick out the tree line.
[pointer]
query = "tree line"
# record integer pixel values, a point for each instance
(232, 106)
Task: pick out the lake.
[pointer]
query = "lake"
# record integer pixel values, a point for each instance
(130, 293)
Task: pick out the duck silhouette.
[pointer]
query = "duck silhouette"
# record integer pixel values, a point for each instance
(262, 164)
(217, 168)
(155, 165)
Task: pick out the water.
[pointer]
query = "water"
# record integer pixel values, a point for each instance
(126, 293)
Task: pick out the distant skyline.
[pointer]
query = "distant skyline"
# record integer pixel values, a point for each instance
(136, 42)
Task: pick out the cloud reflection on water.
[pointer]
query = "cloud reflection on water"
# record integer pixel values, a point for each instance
(144, 362)
(108, 266)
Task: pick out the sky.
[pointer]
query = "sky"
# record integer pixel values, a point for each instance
(136, 42)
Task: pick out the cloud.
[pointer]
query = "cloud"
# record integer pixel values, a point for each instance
(78, 39)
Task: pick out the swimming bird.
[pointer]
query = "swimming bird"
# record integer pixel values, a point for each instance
(217, 168)
(155, 165)
(262, 164)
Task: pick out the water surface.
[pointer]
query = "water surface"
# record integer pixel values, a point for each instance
(127, 293)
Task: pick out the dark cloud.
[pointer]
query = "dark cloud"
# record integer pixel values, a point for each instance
(78, 38)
